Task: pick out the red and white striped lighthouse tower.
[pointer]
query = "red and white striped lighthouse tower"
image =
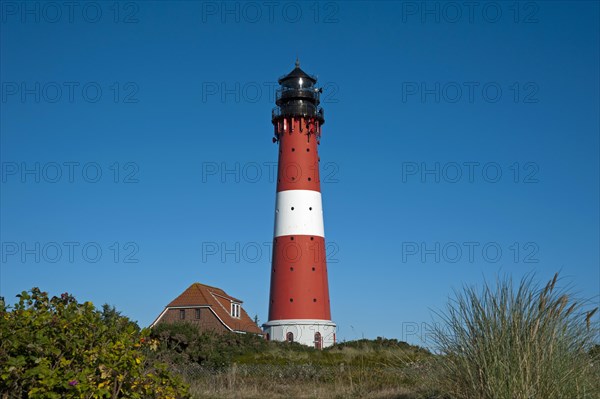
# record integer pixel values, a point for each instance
(299, 308)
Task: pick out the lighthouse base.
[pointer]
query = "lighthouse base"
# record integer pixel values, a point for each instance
(316, 333)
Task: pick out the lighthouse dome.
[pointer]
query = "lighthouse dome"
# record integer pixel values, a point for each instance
(297, 78)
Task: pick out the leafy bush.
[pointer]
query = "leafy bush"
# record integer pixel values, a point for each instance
(380, 344)
(528, 343)
(181, 344)
(58, 348)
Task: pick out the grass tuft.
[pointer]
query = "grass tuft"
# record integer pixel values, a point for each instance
(523, 342)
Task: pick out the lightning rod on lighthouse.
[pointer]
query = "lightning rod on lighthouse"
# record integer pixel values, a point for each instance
(299, 307)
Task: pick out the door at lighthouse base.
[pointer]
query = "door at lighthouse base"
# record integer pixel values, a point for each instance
(318, 340)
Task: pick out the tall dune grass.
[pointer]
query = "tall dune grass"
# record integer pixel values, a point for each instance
(525, 342)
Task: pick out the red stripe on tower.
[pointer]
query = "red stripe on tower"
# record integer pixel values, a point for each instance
(299, 308)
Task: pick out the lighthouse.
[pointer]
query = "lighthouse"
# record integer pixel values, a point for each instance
(299, 307)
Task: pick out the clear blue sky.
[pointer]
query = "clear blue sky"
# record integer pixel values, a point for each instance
(424, 107)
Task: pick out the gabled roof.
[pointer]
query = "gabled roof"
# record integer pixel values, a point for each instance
(219, 302)
(200, 294)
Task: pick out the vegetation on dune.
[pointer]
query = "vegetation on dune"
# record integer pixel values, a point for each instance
(503, 342)
(233, 365)
(525, 342)
(181, 344)
(59, 348)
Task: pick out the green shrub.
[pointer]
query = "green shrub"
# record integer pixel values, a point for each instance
(182, 344)
(523, 343)
(56, 348)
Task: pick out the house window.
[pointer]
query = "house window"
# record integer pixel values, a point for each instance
(235, 310)
(197, 313)
(182, 314)
(289, 337)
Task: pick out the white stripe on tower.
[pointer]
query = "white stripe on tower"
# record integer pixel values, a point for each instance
(299, 212)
